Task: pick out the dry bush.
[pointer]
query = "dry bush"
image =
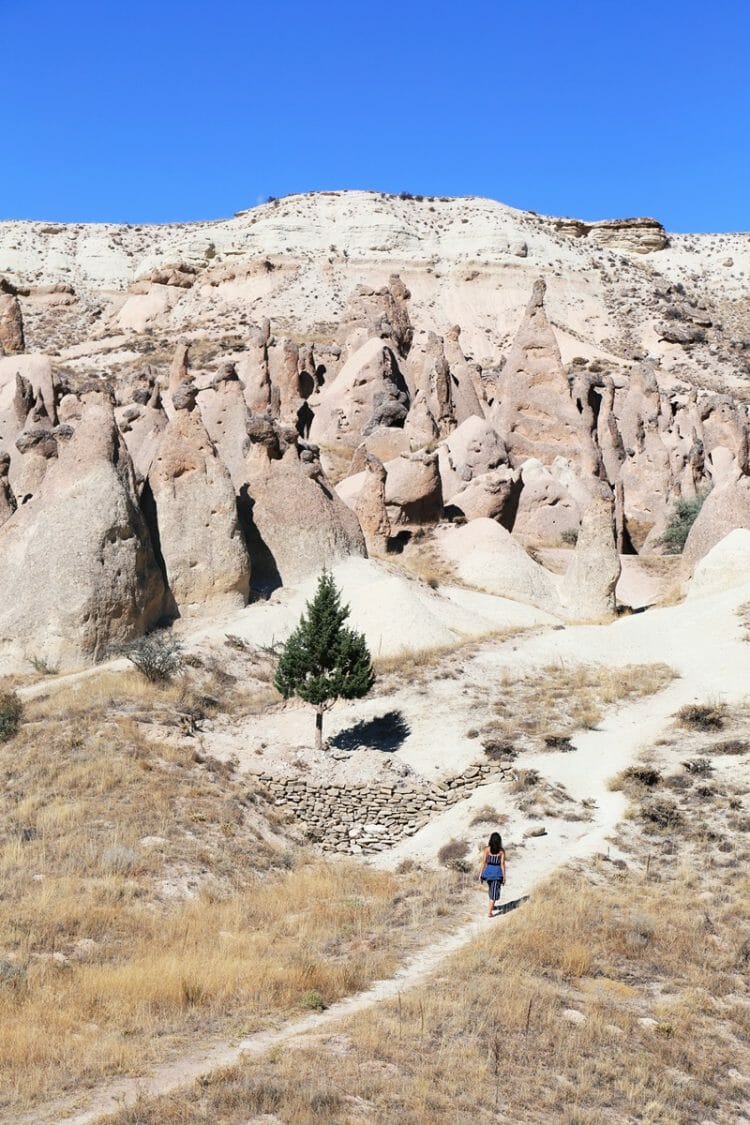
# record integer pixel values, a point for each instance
(453, 855)
(702, 716)
(635, 779)
(729, 746)
(11, 710)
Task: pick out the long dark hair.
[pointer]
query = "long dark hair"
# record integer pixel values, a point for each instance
(496, 843)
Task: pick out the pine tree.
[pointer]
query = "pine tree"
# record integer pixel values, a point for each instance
(323, 660)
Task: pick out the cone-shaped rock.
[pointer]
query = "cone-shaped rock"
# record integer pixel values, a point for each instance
(77, 569)
(204, 552)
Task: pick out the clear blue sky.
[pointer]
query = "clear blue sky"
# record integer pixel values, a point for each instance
(153, 110)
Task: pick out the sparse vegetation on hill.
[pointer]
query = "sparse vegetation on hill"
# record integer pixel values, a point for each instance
(618, 994)
(150, 893)
(681, 519)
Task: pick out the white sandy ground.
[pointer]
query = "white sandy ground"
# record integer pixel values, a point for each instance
(701, 639)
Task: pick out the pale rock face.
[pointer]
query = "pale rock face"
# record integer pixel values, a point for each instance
(103, 586)
(420, 427)
(142, 425)
(494, 495)
(225, 416)
(466, 380)
(368, 392)
(547, 506)
(11, 325)
(413, 492)
(535, 414)
(472, 449)
(486, 556)
(725, 567)
(252, 370)
(371, 510)
(298, 525)
(382, 313)
(7, 499)
(588, 588)
(206, 561)
(725, 508)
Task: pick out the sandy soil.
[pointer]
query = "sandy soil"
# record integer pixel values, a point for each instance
(702, 640)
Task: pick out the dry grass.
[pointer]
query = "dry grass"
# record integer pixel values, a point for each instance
(544, 708)
(444, 661)
(619, 994)
(149, 894)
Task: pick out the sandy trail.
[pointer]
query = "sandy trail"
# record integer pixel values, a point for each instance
(701, 640)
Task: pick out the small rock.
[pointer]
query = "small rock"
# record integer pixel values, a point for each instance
(540, 831)
(573, 1016)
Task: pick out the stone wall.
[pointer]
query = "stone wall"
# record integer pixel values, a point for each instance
(373, 817)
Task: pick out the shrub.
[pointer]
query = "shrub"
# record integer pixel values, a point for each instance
(681, 519)
(642, 775)
(313, 1000)
(701, 767)
(661, 813)
(453, 855)
(570, 536)
(11, 710)
(156, 656)
(702, 716)
(730, 746)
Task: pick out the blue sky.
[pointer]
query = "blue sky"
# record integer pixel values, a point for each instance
(158, 110)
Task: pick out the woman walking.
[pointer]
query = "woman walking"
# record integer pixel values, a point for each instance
(492, 871)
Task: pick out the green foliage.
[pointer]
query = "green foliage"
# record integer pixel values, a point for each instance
(11, 710)
(681, 519)
(323, 660)
(156, 656)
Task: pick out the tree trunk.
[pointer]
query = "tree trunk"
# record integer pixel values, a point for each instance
(318, 728)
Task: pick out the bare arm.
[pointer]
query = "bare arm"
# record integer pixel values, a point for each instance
(482, 865)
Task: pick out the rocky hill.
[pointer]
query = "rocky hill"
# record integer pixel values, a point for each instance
(190, 410)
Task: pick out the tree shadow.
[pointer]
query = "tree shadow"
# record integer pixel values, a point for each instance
(385, 732)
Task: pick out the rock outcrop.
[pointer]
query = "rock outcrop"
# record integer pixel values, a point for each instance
(534, 412)
(205, 557)
(370, 508)
(413, 492)
(725, 567)
(588, 588)
(726, 508)
(78, 571)
(486, 556)
(11, 324)
(296, 524)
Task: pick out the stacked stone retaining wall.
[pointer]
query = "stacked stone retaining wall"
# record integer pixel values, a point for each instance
(355, 819)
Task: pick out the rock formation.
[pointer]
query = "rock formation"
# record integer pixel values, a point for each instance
(413, 493)
(370, 508)
(11, 322)
(725, 508)
(79, 574)
(535, 414)
(588, 588)
(297, 524)
(205, 557)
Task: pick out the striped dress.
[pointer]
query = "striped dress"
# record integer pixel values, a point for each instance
(494, 885)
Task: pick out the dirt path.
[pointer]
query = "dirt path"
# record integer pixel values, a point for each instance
(702, 641)
(536, 860)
